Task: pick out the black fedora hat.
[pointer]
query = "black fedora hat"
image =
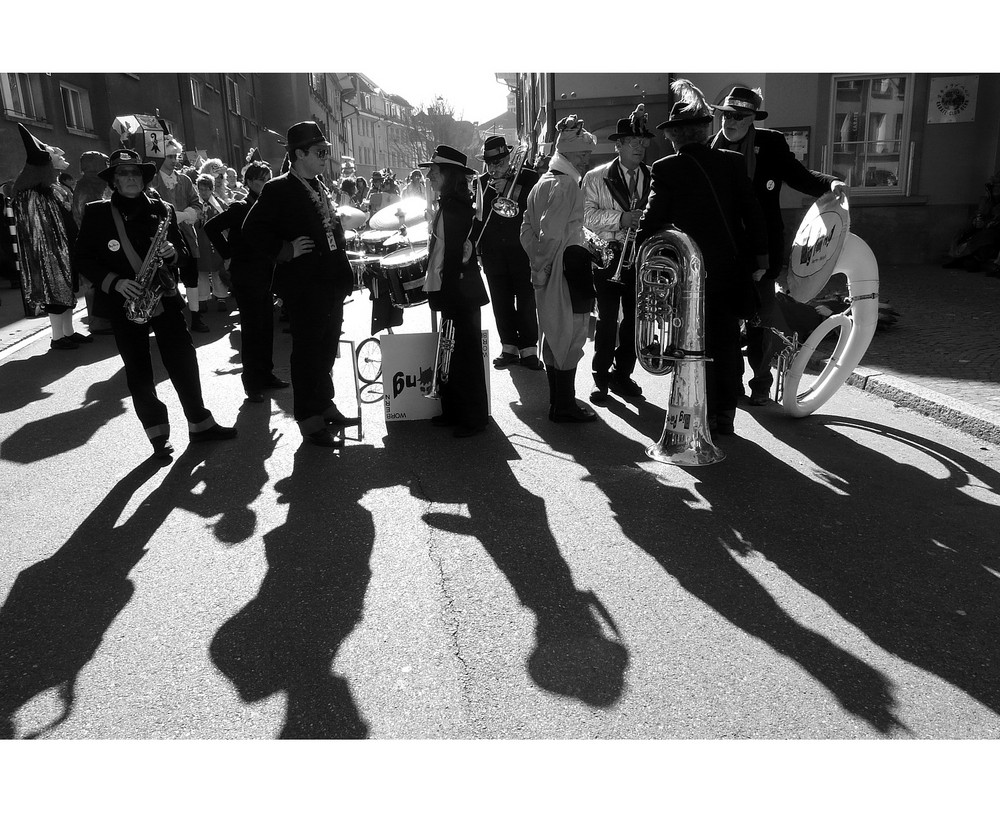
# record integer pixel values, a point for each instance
(743, 100)
(303, 135)
(445, 155)
(634, 125)
(494, 149)
(127, 158)
(681, 113)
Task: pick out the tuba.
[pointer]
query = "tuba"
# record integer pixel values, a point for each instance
(140, 310)
(670, 336)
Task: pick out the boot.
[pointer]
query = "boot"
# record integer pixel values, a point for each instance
(567, 409)
(197, 323)
(550, 374)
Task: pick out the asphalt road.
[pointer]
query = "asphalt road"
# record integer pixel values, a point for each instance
(835, 577)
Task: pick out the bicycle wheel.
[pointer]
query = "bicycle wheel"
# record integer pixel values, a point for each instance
(370, 360)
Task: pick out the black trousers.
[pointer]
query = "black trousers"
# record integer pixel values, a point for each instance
(316, 318)
(508, 273)
(724, 373)
(180, 360)
(256, 306)
(614, 341)
(762, 342)
(463, 397)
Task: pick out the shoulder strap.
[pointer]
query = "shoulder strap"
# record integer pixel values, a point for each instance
(127, 247)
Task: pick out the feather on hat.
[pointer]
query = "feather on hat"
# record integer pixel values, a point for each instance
(691, 107)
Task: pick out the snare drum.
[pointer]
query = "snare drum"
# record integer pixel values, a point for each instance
(406, 271)
(373, 241)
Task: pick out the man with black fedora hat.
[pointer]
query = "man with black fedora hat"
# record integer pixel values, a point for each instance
(294, 223)
(508, 272)
(615, 195)
(115, 236)
(769, 163)
(706, 194)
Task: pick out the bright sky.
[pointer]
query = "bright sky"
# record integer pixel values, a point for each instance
(473, 92)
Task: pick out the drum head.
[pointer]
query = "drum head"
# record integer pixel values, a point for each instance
(404, 257)
(816, 248)
(376, 237)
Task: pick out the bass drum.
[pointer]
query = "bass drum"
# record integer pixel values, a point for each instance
(405, 271)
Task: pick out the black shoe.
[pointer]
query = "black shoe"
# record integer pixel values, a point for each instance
(197, 323)
(599, 394)
(578, 413)
(80, 338)
(468, 431)
(274, 383)
(624, 387)
(255, 397)
(532, 363)
(334, 417)
(443, 420)
(213, 433)
(505, 360)
(101, 331)
(65, 343)
(162, 450)
(325, 438)
(758, 399)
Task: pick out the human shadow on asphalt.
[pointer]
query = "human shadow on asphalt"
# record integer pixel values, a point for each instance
(894, 552)
(64, 431)
(311, 598)
(27, 380)
(578, 650)
(695, 547)
(58, 610)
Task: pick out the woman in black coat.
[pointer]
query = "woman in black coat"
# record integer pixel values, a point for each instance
(455, 288)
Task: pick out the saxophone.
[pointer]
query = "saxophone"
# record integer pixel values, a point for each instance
(140, 310)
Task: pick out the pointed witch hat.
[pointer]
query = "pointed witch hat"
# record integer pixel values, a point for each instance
(37, 152)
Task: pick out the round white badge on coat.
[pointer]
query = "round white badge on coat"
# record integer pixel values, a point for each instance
(114, 245)
(770, 186)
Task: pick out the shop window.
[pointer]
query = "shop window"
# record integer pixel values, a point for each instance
(871, 126)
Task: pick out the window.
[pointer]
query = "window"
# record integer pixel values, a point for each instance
(196, 94)
(247, 129)
(76, 108)
(233, 95)
(871, 126)
(22, 95)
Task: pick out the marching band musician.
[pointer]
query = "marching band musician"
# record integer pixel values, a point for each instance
(770, 163)
(552, 235)
(614, 198)
(294, 223)
(115, 236)
(707, 195)
(251, 275)
(508, 271)
(455, 287)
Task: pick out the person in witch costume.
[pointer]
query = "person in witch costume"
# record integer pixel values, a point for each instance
(455, 287)
(770, 163)
(614, 196)
(115, 237)
(508, 271)
(45, 235)
(561, 270)
(295, 225)
(706, 194)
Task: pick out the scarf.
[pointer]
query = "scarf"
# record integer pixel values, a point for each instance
(744, 148)
(561, 164)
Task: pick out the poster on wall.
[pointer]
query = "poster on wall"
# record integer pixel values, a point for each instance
(408, 373)
(952, 99)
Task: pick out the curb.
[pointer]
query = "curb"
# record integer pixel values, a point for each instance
(981, 423)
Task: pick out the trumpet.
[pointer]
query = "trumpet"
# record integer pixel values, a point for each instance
(140, 310)
(505, 204)
(442, 357)
(627, 257)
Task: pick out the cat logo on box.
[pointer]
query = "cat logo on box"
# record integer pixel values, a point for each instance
(401, 381)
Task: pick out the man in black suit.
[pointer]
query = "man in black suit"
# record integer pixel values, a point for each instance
(769, 163)
(707, 195)
(251, 274)
(295, 224)
(115, 236)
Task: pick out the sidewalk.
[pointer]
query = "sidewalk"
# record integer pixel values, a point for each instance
(941, 358)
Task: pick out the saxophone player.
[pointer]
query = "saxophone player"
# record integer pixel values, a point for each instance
(498, 240)
(615, 196)
(113, 244)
